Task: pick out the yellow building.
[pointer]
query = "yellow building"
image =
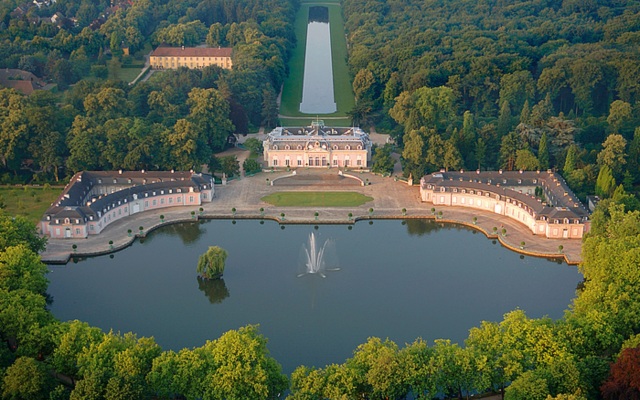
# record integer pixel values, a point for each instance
(190, 57)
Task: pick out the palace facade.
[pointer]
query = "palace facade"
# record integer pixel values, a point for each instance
(317, 146)
(165, 57)
(94, 199)
(541, 201)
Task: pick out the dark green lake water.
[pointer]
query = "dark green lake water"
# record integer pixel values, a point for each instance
(400, 281)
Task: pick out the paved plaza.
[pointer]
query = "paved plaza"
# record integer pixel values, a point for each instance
(389, 194)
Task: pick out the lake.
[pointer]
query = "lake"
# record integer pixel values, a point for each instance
(317, 88)
(400, 280)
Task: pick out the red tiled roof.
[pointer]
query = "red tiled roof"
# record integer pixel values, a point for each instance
(192, 52)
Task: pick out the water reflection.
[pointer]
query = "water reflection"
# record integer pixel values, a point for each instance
(421, 227)
(214, 289)
(188, 233)
(317, 86)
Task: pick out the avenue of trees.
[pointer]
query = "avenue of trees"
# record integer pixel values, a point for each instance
(175, 120)
(532, 84)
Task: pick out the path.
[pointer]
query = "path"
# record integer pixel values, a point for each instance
(390, 197)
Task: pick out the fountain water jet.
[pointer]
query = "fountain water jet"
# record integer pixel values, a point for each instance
(314, 258)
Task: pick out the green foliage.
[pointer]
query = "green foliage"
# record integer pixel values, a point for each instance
(251, 166)
(606, 183)
(230, 165)
(211, 264)
(253, 145)
(21, 268)
(382, 162)
(26, 378)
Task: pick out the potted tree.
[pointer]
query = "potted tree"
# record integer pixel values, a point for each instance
(282, 216)
(350, 216)
(404, 212)
(129, 232)
(162, 218)
(110, 244)
(316, 215)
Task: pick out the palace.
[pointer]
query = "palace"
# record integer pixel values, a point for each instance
(165, 57)
(317, 146)
(94, 199)
(554, 213)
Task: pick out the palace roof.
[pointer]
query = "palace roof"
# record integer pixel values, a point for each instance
(79, 201)
(164, 51)
(560, 201)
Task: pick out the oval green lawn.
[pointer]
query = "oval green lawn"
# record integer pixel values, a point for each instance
(316, 199)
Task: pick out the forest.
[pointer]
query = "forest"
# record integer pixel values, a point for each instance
(485, 84)
(493, 84)
(174, 120)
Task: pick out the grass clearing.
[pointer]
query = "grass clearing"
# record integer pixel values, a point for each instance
(316, 199)
(28, 201)
(342, 89)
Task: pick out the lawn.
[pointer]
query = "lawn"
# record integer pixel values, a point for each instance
(316, 199)
(29, 201)
(343, 93)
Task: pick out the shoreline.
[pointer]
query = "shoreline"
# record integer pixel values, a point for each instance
(389, 195)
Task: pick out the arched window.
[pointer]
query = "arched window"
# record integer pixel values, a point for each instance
(299, 147)
(359, 147)
(287, 147)
(335, 147)
(347, 147)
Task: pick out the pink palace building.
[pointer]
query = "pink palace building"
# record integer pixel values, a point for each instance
(94, 199)
(554, 213)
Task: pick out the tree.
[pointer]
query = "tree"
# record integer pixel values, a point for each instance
(253, 145)
(382, 162)
(211, 264)
(509, 150)
(19, 230)
(21, 268)
(527, 387)
(543, 152)
(251, 166)
(504, 119)
(243, 367)
(230, 165)
(74, 337)
(364, 85)
(209, 113)
(624, 380)
(451, 159)
(526, 160)
(21, 311)
(379, 370)
(613, 154)
(26, 379)
(571, 160)
(606, 183)
(620, 114)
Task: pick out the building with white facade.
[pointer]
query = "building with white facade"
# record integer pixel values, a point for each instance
(317, 146)
(94, 199)
(555, 213)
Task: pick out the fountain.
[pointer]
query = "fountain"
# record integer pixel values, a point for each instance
(314, 258)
